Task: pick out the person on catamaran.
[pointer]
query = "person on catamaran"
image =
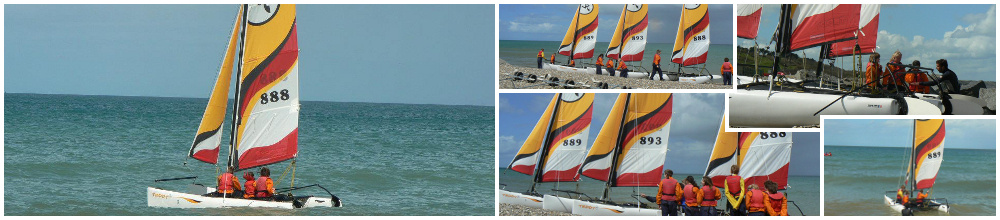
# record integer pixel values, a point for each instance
(572, 63)
(611, 66)
(776, 202)
(265, 187)
(692, 197)
(541, 56)
(920, 198)
(656, 66)
(734, 192)
(727, 72)
(897, 79)
(666, 194)
(710, 197)
(873, 71)
(951, 87)
(553, 59)
(599, 63)
(622, 68)
(228, 185)
(916, 75)
(250, 186)
(901, 194)
(755, 201)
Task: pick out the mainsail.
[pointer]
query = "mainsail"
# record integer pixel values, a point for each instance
(724, 155)
(582, 33)
(639, 141)
(691, 45)
(629, 40)
(209, 136)
(867, 34)
(748, 20)
(765, 156)
(818, 24)
(556, 146)
(268, 88)
(928, 151)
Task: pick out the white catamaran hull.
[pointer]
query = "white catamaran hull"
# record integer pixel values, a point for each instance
(520, 199)
(596, 209)
(699, 79)
(170, 199)
(589, 70)
(891, 202)
(555, 203)
(755, 108)
(960, 104)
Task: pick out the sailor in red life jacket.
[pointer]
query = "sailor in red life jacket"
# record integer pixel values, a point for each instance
(666, 194)
(541, 56)
(727, 72)
(899, 194)
(249, 185)
(692, 197)
(755, 201)
(734, 192)
(228, 185)
(776, 202)
(265, 188)
(710, 197)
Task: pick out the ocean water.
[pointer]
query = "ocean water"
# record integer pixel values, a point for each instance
(856, 178)
(95, 155)
(803, 190)
(524, 53)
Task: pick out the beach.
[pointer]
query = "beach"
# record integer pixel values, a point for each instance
(507, 71)
(520, 210)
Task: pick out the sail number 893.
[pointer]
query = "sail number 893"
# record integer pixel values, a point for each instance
(650, 140)
(766, 135)
(273, 96)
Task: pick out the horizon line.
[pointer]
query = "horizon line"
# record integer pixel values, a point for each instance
(229, 98)
(908, 147)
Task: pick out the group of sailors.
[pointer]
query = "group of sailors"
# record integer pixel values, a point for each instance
(622, 69)
(903, 197)
(675, 197)
(261, 188)
(894, 77)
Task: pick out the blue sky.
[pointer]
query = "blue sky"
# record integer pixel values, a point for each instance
(416, 54)
(550, 22)
(692, 132)
(965, 35)
(959, 133)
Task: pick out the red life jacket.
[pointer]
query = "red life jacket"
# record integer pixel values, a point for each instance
(734, 184)
(226, 182)
(669, 186)
(709, 198)
(249, 189)
(540, 54)
(756, 200)
(776, 201)
(262, 187)
(727, 67)
(690, 198)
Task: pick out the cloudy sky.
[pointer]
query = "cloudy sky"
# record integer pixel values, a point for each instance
(549, 22)
(959, 133)
(692, 131)
(965, 35)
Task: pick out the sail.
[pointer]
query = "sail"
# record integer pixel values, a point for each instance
(268, 108)
(527, 157)
(209, 136)
(765, 158)
(928, 150)
(597, 164)
(582, 34)
(748, 20)
(723, 155)
(568, 137)
(817, 24)
(629, 39)
(691, 45)
(643, 139)
(867, 35)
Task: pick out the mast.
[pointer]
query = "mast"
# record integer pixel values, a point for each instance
(913, 165)
(545, 142)
(612, 177)
(233, 142)
(621, 48)
(576, 25)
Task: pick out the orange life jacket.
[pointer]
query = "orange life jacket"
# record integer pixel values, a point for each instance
(600, 61)
(896, 71)
(734, 184)
(611, 64)
(921, 197)
(262, 188)
(690, 197)
(553, 59)
(541, 54)
(656, 59)
(776, 201)
(872, 73)
(756, 202)
(727, 67)
(572, 62)
(621, 65)
(669, 186)
(249, 186)
(226, 183)
(709, 196)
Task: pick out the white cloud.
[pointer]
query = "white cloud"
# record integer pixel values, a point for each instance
(508, 146)
(966, 48)
(530, 28)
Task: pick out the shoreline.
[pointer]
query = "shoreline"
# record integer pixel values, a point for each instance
(507, 70)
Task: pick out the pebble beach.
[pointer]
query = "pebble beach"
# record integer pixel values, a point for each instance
(520, 210)
(507, 70)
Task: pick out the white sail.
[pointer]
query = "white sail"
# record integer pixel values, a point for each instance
(766, 158)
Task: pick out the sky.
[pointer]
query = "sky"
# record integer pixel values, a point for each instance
(965, 35)
(959, 133)
(418, 54)
(550, 22)
(693, 130)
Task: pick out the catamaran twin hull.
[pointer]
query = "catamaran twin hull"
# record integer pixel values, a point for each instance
(592, 70)
(891, 202)
(598, 209)
(760, 108)
(508, 197)
(170, 199)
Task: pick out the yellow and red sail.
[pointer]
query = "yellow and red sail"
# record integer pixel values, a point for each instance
(691, 44)
(928, 151)
(557, 145)
(629, 40)
(581, 37)
(209, 136)
(724, 155)
(748, 20)
(640, 141)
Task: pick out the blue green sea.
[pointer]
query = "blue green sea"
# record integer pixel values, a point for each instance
(524, 53)
(95, 155)
(856, 178)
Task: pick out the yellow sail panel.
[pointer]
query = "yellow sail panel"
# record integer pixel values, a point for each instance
(645, 134)
(581, 37)
(597, 165)
(928, 150)
(746, 140)
(268, 90)
(692, 42)
(568, 137)
(206, 142)
(527, 157)
(723, 155)
(629, 40)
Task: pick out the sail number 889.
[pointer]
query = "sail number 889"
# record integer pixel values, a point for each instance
(572, 142)
(766, 135)
(273, 96)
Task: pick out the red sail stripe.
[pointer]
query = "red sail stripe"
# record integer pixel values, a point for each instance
(747, 26)
(650, 178)
(780, 177)
(284, 149)
(696, 60)
(562, 175)
(598, 174)
(576, 126)
(275, 70)
(525, 169)
(832, 26)
(207, 156)
(655, 122)
(866, 42)
(583, 55)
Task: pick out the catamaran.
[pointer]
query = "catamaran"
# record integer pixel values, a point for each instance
(266, 111)
(580, 39)
(691, 44)
(554, 150)
(925, 157)
(629, 40)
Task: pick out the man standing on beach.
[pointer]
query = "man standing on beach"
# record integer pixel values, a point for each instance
(947, 75)
(656, 66)
(541, 56)
(600, 61)
(727, 72)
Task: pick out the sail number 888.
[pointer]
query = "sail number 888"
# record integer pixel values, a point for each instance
(273, 96)
(766, 135)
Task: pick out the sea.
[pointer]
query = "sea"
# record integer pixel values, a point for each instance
(856, 178)
(96, 155)
(525, 53)
(803, 190)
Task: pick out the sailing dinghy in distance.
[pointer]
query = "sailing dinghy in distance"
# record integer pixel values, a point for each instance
(925, 159)
(266, 109)
(580, 39)
(554, 150)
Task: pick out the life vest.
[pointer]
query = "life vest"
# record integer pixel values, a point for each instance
(541, 54)
(262, 189)
(921, 197)
(776, 201)
(669, 186)
(899, 195)
(756, 201)
(572, 62)
(734, 184)
(611, 64)
(553, 59)
(656, 59)
(226, 183)
(872, 73)
(709, 196)
(600, 61)
(690, 198)
(922, 77)
(727, 67)
(621, 65)
(250, 187)
(893, 70)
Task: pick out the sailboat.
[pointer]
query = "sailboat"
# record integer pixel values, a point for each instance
(691, 44)
(926, 155)
(629, 152)
(760, 156)
(553, 150)
(629, 40)
(580, 39)
(266, 111)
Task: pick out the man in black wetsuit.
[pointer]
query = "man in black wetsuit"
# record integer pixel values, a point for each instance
(951, 87)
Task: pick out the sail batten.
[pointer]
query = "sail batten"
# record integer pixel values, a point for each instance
(581, 37)
(692, 42)
(629, 39)
(208, 139)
